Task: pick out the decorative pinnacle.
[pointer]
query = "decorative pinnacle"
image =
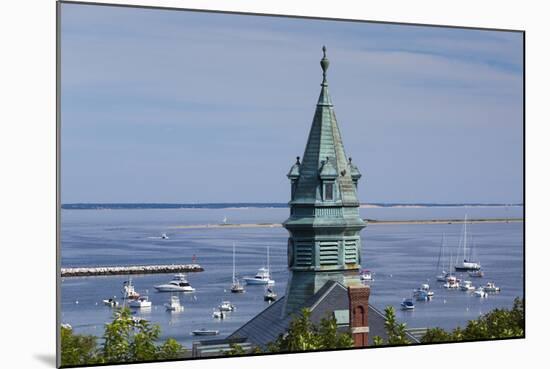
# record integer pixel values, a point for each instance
(298, 160)
(324, 65)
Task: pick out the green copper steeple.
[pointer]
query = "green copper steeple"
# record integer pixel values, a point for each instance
(324, 223)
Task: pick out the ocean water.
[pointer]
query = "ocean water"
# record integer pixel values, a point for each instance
(402, 256)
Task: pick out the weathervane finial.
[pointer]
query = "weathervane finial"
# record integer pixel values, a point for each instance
(324, 65)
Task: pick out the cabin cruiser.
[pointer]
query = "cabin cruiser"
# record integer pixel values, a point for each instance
(174, 304)
(476, 273)
(177, 284)
(467, 265)
(141, 302)
(262, 277)
(226, 306)
(367, 275)
(480, 292)
(424, 290)
(218, 314)
(491, 287)
(407, 304)
(467, 286)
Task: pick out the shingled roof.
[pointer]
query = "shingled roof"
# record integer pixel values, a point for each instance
(268, 325)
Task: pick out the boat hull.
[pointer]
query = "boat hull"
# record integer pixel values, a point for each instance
(257, 281)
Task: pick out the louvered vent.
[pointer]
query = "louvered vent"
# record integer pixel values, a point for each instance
(328, 254)
(304, 253)
(350, 251)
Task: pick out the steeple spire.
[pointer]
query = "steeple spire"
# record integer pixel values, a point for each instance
(324, 65)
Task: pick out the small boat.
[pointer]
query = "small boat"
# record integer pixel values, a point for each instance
(111, 302)
(476, 273)
(452, 282)
(407, 304)
(164, 236)
(269, 295)
(467, 286)
(422, 296)
(480, 292)
(174, 304)
(491, 287)
(262, 277)
(424, 290)
(442, 277)
(226, 306)
(218, 314)
(205, 332)
(177, 284)
(236, 286)
(129, 291)
(141, 302)
(367, 275)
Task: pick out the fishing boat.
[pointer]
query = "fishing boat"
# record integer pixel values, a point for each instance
(128, 290)
(111, 302)
(141, 302)
(205, 332)
(236, 286)
(367, 275)
(407, 304)
(467, 263)
(491, 287)
(452, 282)
(226, 306)
(467, 286)
(269, 294)
(262, 276)
(174, 304)
(178, 283)
(480, 292)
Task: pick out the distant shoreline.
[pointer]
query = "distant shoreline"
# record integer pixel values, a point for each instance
(369, 221)
(244, 205)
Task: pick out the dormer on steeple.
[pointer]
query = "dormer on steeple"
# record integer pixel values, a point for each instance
(293, 175)
(354, 172)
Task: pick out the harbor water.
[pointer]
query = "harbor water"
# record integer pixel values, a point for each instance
(402, 256)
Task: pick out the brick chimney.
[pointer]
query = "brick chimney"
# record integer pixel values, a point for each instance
(358, 314)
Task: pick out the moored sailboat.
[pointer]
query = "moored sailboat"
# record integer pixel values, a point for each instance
(236, 286)
(468, 263)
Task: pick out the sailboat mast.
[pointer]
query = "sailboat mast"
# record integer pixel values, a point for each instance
(233, 262)
(268, 269)
(465, 234)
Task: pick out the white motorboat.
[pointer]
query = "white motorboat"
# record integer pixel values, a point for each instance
(128, 290)
(407, 304)
(480, 292)
(178, 283)
(467, 263)
(423, 293)
(491, 287)
(226, 306)
(140, 302)
(218, 314)
(263, 276)
(205, 332)
(236, 286)
(174, 304)
(442, 277)
(367, 275)
(164, 236)
(111, 302)
(269, 294)
(467, 286)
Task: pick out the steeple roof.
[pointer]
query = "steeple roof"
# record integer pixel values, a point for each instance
(324, 149)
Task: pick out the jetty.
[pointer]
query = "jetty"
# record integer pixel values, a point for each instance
(130, 269)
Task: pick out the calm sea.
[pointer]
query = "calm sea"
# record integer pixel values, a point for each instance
(402, 256)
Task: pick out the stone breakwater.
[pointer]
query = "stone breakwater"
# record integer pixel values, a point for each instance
(132, 269)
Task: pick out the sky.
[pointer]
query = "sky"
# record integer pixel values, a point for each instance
(181, 107)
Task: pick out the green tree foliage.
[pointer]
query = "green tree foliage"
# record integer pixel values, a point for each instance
(78, 349)
(303, 335)
(235, 350)
(396, 331)
(498, 323)
(125, 340)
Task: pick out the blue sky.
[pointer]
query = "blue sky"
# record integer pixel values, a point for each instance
(177, 106)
